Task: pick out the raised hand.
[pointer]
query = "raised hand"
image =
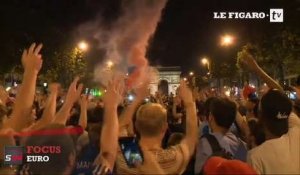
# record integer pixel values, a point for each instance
(83, 111)
(191, 135)
(247, 60)
(114, 93)
(74, 91)
(185, 93)
(72, 96)
(84, 101)
(110, 128)
(32, 59)
(32, 62)
(53, 87)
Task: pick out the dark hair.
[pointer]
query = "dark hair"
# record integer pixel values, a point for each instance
(207, 106)
(275, 107)
(223, 111)
(58, 162)
(95, 115)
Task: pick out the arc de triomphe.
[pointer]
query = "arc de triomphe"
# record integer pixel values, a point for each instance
(168, 81)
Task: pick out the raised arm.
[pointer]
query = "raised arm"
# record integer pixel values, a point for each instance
(83, 111)
(32, 63)
(249, 62)
(241, 122)
(191, 118)
(72, 96)
(141, 93)
(243, 125)
(49, 110)
(174, 112)
(110, 129)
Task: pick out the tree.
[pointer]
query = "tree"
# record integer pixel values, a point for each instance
(65, 65)
(277, 54)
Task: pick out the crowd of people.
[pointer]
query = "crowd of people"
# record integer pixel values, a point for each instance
(191, 132)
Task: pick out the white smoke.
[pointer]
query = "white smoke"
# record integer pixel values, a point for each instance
(125, 42)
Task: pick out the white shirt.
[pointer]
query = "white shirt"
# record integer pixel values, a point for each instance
(281, 155)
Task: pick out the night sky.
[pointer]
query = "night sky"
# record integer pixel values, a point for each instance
(186, 32)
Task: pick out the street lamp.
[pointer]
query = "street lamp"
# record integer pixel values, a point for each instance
(227, 40)
(191, 73)
(83, 46)
(110, 64)
(205, 61)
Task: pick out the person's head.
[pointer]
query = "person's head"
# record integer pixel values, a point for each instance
(95, 115)
(274, 110)
(222, 113)
(60, 162)
(151, 121)
(252, 101)
(201, 112)
(175, 139)
(207, 106)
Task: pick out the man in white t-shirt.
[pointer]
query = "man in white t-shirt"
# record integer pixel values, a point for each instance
(280, 154)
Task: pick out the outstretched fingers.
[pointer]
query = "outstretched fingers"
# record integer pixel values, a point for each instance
(31, 48)
(38, 49)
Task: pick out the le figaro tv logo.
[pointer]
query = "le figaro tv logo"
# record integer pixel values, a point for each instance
(275, 15)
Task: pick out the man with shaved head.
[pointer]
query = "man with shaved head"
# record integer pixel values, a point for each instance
(151, 124)
(151, 120)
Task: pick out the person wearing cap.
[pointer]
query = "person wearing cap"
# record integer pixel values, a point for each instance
(219, 165)
(280, 153)
(250, 101)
